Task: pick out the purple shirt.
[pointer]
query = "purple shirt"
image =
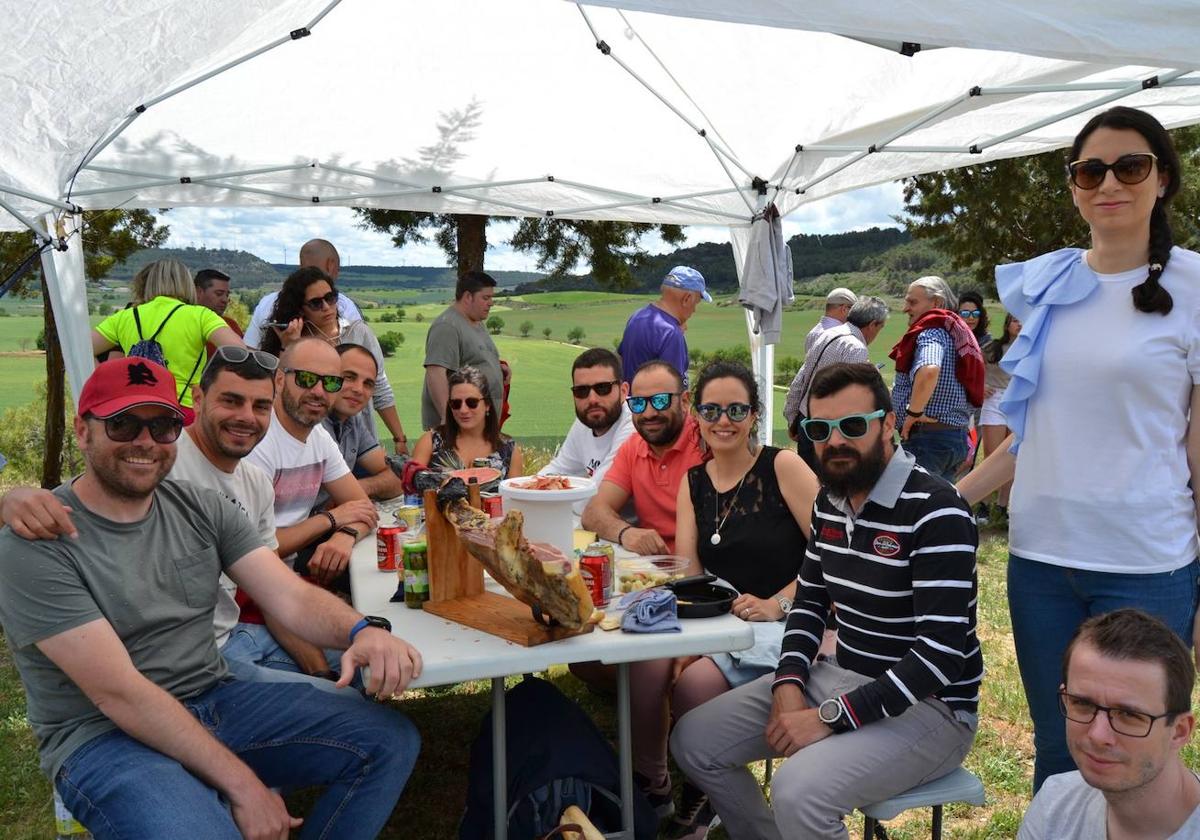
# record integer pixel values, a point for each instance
(652, 333)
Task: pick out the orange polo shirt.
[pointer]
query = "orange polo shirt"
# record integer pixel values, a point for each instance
(654, 482)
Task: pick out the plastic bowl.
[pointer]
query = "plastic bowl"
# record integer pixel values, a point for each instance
(636, 573)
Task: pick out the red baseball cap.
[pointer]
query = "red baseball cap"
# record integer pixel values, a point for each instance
(121, 384)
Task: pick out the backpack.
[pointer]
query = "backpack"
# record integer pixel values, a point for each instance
(556, 758)
(149, 348)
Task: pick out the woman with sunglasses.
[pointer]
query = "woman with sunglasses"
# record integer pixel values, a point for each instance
(307, 306)
(471, 432)
(744, 516)
(1103, 405)
(164, 308)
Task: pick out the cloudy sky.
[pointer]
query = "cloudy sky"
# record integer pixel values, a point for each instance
(274, 234)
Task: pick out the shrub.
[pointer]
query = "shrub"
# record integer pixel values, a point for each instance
(526, 328)
(495, 324)
(575, 335)
(23, 440)
(105, 309)
(420, 317)
(388, 318)
(390, 341)
(40, 342)
(546, 331)
(400, 314)
(786, 369)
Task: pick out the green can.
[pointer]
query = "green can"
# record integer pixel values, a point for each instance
(416, 575)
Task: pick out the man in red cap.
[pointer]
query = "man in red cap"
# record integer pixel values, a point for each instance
(138, 726)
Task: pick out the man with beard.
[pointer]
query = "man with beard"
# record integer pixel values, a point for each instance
(649, 466)
(138, 726)
(893, 550)
(1127, 699)
(602, 421)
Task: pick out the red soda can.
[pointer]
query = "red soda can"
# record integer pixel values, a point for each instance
(596, 568)
(387, 546)
(493, 504)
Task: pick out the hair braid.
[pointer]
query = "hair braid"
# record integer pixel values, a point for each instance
(1150, 296)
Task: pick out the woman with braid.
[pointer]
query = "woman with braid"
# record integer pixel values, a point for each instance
(1105, 375)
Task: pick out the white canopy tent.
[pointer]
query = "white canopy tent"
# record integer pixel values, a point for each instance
(693, 112)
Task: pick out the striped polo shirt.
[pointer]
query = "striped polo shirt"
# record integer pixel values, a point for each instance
(901, 574)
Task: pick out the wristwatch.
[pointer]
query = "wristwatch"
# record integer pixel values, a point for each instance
(346, 529)
(370, 621)
(833, 715)
(785, 604)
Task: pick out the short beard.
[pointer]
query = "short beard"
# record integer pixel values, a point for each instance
(858, 479)
(291, 407)
(606, 422)
(668, 433)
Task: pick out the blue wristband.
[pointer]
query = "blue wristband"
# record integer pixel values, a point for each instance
(362, 623)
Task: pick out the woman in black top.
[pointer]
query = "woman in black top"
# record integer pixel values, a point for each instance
(744, 516)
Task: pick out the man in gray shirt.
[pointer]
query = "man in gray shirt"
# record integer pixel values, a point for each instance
(1127, 700)
(112, 633)
(458, 338)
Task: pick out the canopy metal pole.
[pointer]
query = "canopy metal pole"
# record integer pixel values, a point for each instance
(241, 173)
(1010, 90)
(41, 199)
(820, 147)
(25, 220)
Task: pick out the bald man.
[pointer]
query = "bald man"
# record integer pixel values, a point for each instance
(315, 253)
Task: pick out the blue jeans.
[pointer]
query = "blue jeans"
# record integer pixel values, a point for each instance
(253, 645)
(940, 451)
(290, 734)
(1047, 603)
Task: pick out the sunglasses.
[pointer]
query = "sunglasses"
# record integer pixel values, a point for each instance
(472, 403)
(1123, 721)
(970, 313)
(711, 412)
(328, 299)
(602, 389)
(236, 354)
(658, 401)
(306, 379)
(123, 428)
(851, 426)
(1128, 169)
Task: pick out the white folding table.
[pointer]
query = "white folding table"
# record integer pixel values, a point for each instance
(454, 653)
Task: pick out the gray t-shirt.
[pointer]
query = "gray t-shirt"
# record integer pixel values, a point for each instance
(154, 581)
(355, 437)
(455, 342)
(1068, 808)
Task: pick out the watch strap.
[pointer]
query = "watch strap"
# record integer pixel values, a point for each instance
(369, 621)
(346, 529)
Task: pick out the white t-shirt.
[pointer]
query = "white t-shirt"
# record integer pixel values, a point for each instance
(297, 469)
(247, 487)
(1102, 475)
(588, 455)
(262, 312)
(1068, 808)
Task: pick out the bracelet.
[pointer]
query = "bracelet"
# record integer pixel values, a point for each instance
(912, 413)
(621, 533)
(333, 526)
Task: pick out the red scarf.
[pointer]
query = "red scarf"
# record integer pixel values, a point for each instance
(969, 368)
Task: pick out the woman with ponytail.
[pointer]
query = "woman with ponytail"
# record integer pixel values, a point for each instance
(1105, 375)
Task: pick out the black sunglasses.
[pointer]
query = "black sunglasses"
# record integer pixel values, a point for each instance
(328, 299)
(472, 403)
(1128, 169)
(658, 402)
(1124, 721)
(711, 412)
(306, 379)
(235, 354)
(122, 428)
(602, 389)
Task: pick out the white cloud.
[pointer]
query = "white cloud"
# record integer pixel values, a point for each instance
(275, 234)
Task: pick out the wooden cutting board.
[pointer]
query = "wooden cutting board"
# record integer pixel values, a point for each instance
(501, 616)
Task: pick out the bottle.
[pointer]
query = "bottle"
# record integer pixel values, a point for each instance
(66, 827)
(416, 575)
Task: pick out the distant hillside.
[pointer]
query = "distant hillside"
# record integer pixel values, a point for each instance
(812, 256)
(245, 268)
(409, 276)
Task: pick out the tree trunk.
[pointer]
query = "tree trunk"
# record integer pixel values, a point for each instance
(472, 242)
(55, 388)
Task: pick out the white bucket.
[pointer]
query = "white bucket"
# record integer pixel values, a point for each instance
(548, 514)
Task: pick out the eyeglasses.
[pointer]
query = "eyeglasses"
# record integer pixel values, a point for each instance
(602, 389)
(122, 428)
(1128, 169)
(306, 379)
(236, 354)
(472, 403)
(711, 412)
(970, 313)
(328, 299)
(851, 426)
(658, 401)
(1123, 721)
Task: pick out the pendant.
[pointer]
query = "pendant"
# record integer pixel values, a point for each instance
(715, 539)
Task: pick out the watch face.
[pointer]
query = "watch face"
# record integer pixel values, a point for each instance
(829, 711)
(376, 621)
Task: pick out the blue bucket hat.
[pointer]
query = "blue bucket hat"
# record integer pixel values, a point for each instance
(688, 279)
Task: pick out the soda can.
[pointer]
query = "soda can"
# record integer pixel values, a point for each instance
(493, 505)
(410, 516)
(387, 546)
(596, 568)
(412, 500)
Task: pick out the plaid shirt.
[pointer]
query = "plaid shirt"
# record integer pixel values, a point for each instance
(948, 403)
(837, 345)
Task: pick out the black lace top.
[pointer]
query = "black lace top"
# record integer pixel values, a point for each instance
(762, 544)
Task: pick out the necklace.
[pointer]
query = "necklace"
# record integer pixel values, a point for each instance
(715, 539)
(332, 339)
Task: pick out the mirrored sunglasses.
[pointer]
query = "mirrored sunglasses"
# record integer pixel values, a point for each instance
(658, 402)
(123, 428)
(711, 412)
(602, 389)
(306, 379)
(328, 299)
(851, 426)
(970, 313)
(1128, 169)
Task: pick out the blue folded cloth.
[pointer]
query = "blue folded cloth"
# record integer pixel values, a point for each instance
(650, 611)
